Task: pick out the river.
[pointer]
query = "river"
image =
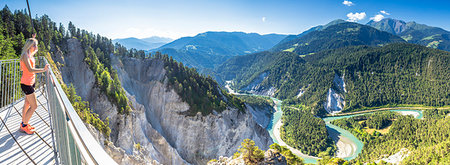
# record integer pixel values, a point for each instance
(348, 146)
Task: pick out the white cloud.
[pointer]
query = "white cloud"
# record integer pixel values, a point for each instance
(354, 17)
(263, 19)
(348, 3)
(384, 12)
(377, 17)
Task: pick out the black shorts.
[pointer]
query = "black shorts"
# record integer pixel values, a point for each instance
(27, 89)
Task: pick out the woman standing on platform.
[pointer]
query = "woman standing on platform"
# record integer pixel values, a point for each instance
(27, 82)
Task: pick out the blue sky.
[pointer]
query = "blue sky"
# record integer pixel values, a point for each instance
(178, 18)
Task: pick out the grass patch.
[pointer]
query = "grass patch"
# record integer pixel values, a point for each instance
(304, 55)
(434, 44)
(289, 50)
(430, 37)
(383, 131)
(407, 38)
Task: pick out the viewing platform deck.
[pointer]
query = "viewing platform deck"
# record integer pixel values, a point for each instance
(17, 147)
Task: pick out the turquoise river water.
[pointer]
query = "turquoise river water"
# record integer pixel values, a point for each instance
(359, 145)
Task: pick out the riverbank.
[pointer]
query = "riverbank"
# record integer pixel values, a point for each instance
(380, 109)
(276, 132)
(345, 147)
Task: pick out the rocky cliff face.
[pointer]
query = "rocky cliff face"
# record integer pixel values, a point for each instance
(165, 136)
(256, 88)
(196, 138)
(126, 130)
(335, 97)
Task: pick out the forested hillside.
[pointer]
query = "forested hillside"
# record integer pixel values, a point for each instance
(337, 36)
(203, 94)
(374, 76)
(426, 139)
(316, 28)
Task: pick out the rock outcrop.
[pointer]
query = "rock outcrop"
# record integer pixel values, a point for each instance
(271, 157)
(156, 125)
(196, 138)
(256, 88)
(126, 130)
(335, 97)
(262, 115)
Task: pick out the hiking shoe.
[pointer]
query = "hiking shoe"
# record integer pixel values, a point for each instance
(27, 124)
(27, 129)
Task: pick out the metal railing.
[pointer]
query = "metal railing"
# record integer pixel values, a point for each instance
(9, 82)
(72, 141)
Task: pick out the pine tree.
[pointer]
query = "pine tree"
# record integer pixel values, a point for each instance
(250, 153)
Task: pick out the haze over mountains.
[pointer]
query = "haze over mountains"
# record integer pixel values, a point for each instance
(209, 49)
(144, 43)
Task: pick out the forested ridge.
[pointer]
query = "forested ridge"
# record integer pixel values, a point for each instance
(338, 36)
(202, 93)
(427, 139)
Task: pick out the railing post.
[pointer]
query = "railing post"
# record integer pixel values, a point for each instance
(15, 87)
(8, 82)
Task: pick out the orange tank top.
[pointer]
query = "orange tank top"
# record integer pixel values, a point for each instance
(28, 78)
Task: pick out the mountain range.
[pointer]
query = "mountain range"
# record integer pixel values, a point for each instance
(336, 36)
(416, 33)
(144, 43)
(207, 50)
(314, 69)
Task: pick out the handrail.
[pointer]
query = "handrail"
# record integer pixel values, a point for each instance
(94, 154)
(72, 141)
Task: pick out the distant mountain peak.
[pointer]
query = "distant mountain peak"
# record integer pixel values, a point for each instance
(144, 43)
(413, 32)
(390, 25)
(334, 22)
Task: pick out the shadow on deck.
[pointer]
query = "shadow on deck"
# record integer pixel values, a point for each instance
(20, 148)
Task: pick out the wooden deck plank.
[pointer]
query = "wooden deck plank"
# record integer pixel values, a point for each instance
(34, 146)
